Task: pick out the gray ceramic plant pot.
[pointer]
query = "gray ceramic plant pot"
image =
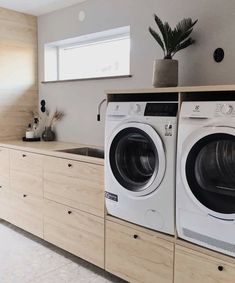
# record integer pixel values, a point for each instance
(165, 73)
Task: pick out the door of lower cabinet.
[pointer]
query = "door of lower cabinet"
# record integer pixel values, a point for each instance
(136, 256)
(75, 231)
(195, 267)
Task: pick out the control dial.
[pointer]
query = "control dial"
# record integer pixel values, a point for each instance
(136, 108)
(226, 109)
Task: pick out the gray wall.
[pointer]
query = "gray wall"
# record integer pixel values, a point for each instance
(216, 28)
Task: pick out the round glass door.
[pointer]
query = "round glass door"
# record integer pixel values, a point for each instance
(134, 159)
(210, 172)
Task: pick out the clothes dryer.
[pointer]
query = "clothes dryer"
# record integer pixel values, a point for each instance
(205, 190)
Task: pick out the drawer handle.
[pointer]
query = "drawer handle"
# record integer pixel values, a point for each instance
(220, 268)
(24, 155)
(69, 212)
(135, 236)
(70, 165)
(24, 196)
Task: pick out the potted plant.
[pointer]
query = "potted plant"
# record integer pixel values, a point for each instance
(48, 134)
(171, 41)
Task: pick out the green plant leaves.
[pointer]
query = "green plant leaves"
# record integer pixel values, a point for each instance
(161, 28)
(183, 29)
(184, 44)
(157, 38)
(168, 42)
(174, 40)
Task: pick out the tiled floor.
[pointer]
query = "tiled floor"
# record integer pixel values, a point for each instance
(27, 259)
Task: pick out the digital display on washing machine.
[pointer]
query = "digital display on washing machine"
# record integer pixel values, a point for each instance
(161, 109)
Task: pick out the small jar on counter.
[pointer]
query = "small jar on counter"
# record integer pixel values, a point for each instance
(29, 132)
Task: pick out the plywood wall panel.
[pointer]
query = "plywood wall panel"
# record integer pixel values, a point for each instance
(18, 72)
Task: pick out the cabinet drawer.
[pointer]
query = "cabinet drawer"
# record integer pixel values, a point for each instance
(24, 211)
(195, 267)
(136, 256)
(26, 172)
(78, 232)
(4, 167)
(5, 204)
(76, 184)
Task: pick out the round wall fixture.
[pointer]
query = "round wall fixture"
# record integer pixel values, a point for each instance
(81, 16)
(218, 55)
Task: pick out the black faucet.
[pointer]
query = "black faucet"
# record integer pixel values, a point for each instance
(99, 107)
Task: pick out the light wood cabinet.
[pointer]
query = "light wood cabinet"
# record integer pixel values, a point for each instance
(4, 168)
(195, 267)
(62, 201)
(76, 184)
(57, 199)
(5, 209)
(137, 256)
(78, 232)
(26, 172)
(21, 201)
(22, 210)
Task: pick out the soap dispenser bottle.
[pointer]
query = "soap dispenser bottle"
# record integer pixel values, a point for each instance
(35, 127)
(29, 132)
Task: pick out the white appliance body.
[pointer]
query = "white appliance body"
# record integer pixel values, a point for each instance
(205, 181)
(140, 156)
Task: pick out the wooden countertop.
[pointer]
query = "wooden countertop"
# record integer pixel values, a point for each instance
(178, 89)
(51, 149)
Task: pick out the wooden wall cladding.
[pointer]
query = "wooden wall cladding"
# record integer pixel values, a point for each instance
(18, 72)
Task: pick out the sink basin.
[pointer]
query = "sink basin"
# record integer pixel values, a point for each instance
(87, 151)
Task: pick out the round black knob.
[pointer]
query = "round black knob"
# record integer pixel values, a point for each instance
(135, 236)
(69, 212)
(24, 155)
(69, 165)
(220, 268)
(218, 55)
(24, 196)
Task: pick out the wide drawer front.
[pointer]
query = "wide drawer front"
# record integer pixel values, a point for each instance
(76, 184)
(195, 267)
(4, 167)
(26, 172)
(24, 211)
(136, 256)
(77, 232)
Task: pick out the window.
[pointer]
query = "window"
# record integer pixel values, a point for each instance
(103, 54)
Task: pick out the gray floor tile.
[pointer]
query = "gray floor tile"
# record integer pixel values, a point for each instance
(28, 259)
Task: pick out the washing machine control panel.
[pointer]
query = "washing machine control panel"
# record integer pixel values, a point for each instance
(136, 108)
(160, 109)
(208, 109)
(226, 109)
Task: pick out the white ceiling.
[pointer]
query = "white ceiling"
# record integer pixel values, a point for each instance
(37, 7)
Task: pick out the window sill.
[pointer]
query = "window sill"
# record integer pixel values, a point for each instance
(87, 79)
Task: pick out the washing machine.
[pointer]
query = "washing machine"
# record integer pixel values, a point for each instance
(205, 189)
(140, 155)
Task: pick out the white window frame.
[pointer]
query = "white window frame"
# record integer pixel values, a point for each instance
(55, 49)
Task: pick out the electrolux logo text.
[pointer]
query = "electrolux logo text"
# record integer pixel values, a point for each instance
(197, 108)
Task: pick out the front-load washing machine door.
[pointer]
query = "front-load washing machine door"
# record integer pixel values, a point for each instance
(208, 168)
(137, 158)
